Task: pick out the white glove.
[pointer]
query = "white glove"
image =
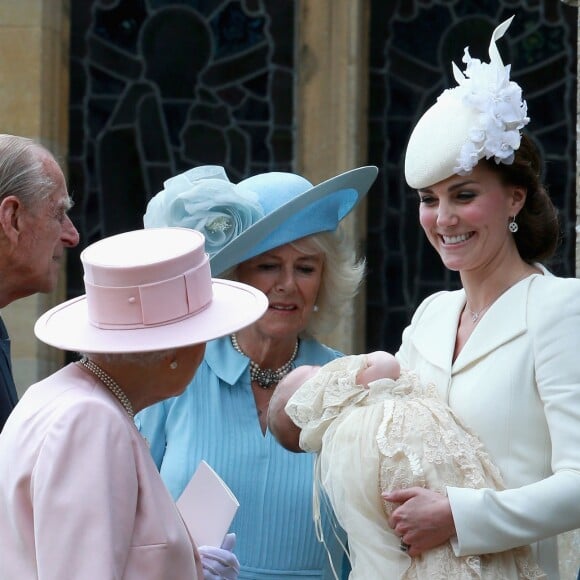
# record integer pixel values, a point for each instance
(220, 563)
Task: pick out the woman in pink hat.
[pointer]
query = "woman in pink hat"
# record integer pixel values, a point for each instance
(80, 497)
(503, 350)
(276, 232)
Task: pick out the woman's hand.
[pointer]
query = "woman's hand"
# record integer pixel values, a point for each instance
(423, 520)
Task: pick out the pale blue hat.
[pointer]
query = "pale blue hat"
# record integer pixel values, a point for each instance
(241, 221)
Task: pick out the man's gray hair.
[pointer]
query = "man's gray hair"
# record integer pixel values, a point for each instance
(23, 170)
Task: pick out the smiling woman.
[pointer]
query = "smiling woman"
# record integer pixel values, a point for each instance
(502, 350)
(278, 233)
(465, 218)
(291, 279)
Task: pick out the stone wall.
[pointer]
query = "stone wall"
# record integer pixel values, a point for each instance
(34, 103)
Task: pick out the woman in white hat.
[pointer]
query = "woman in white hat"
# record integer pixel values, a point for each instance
(502, 350)
(80, 496)
(276, 232)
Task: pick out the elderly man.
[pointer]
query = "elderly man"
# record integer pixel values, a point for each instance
(34, 232)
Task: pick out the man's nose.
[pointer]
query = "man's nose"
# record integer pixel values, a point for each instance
(70, 235)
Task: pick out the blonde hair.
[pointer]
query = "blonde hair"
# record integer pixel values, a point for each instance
(342, 276)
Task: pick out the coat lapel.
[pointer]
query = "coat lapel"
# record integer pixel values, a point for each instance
(434, 338)
(503, 322)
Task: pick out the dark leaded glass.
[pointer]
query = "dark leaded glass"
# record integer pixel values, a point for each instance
(412, 45)
(160, 86)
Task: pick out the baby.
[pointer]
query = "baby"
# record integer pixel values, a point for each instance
(378, 365)
(375, 429)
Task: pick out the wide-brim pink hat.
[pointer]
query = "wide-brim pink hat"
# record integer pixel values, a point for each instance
(149, 290)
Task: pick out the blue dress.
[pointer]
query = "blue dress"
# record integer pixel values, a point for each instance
(215, 419)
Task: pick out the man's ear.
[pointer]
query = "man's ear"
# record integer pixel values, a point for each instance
(10, 217)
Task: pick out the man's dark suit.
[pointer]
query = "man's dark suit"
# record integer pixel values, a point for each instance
(8, 396)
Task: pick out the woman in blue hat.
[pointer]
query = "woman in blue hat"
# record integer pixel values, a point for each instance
(276, 232)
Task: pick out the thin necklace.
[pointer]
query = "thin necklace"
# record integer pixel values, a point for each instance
(266, 378)
(475, 316)
(109, 383)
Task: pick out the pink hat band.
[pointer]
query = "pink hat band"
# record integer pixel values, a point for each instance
(152, 304)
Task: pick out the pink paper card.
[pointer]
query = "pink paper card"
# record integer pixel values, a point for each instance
(207, 506)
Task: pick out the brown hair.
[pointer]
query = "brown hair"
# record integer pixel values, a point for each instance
(539, 226)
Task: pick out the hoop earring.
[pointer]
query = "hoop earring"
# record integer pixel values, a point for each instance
(173, 365)
(513, 226)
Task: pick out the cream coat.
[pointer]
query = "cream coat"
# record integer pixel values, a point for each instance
(516, 383)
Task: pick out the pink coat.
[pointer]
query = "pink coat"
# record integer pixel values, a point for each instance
(80, 496)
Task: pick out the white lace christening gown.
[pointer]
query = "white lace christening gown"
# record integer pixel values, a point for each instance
(393, 435)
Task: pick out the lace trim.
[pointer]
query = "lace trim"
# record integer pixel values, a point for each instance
(421, 442)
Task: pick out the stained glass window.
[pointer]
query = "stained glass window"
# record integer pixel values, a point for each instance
(412, 45)
(160, 86)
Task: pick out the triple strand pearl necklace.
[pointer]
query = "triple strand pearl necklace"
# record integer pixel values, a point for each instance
(266, 378)
(109, 383)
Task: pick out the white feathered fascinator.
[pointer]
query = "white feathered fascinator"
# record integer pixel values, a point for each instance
(479, 118)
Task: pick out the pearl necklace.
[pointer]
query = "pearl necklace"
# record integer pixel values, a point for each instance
(266, 378)
(109, 383)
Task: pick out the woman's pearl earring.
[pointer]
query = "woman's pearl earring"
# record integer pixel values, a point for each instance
(173, 365)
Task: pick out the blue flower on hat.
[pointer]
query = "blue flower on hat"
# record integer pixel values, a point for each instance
(205, 200)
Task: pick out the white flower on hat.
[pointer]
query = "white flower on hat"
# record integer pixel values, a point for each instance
(205, 200)
(501, 112)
